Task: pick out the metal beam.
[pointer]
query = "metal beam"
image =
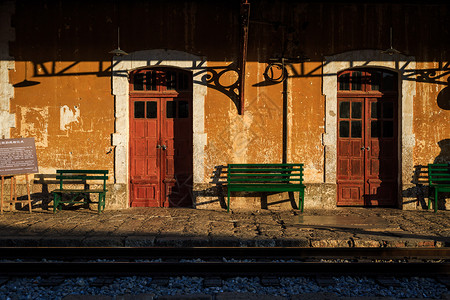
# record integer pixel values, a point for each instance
(244, 21)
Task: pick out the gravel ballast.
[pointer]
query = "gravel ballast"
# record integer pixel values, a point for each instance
(415, 287)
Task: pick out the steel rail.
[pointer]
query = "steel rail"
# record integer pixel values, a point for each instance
(215, 261)
(298, 253)
(222, 269)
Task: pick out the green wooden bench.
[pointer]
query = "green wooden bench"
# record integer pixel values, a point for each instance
(439, 181)
(87, 178)
(266, 178)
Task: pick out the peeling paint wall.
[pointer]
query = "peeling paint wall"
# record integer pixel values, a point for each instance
(431, 127)
(256, 136)
(67, 116)
(432, 119)
(34, 123)
(7, 34)
(70, 117)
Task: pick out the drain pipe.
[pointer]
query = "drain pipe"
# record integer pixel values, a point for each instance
(285, 119)
(279, 63)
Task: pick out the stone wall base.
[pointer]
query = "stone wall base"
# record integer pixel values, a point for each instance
(415, 197)
(42, 198)
(214, 197)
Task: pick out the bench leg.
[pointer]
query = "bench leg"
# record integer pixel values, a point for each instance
(55, 202)
(430, 197)
(301, 195)
(1, 200)
(228, 205)
(101, 202)
(435, 199)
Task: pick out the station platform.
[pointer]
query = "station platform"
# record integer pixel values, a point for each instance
(183, 227)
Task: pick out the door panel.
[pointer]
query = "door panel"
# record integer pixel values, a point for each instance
(350, 173)
(178, 156)
(382, 171)
(144, 175)
(350, 192)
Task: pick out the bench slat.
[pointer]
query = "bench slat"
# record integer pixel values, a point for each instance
(265, 174)
(440, 179)
(83, 171)
(81, 177)
(251, 180)
(440, 174)
(79, 191)
(262, 170)
(264, 186)
(263, 165)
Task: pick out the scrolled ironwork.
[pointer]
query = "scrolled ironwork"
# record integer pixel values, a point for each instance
(271, 75)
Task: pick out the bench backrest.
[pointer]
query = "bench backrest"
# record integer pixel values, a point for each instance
(439, 174)
(265, 173)
(81, 176)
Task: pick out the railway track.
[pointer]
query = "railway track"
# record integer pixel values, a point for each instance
(224, 261)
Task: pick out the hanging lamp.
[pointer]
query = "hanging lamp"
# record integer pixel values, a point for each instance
(391, 50)
(118, 51)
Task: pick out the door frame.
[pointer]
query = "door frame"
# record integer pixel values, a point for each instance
(405, 67)
(121, 68)
(160, 94)
(363, 182)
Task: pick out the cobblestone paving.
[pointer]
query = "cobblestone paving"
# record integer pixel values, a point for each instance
(343, 227)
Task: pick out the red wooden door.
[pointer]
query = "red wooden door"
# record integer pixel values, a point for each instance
(367, 162)
(160, 138)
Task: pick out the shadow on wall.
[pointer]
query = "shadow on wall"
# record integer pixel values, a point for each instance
(420, 179)
(443, 99)
(420, 190)
(216, 193)
(43, 199)
(444, 155)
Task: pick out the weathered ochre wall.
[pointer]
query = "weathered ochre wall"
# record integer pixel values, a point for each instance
(70, 117)
(306, 124)
(432, 118)
(256, 136)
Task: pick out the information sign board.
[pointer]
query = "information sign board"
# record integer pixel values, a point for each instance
(18, 156)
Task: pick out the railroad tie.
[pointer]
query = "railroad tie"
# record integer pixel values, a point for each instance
(270, 281)
(161, 281)
(102, 281)
(445, 280)
(212, 282)
(325, 281)
(388, 281)
(52, 281)
(3, 280)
